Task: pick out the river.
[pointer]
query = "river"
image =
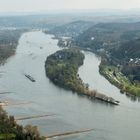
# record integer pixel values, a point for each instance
(72, 112)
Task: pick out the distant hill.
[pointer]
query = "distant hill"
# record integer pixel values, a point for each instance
(31, 21)
(47, 21)
(72, 29)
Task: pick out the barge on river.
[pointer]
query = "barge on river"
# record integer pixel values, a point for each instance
(30, 77)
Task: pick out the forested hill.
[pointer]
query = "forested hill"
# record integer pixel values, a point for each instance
(120, 41)
(128, 55)
(127, 51)
(106, 35)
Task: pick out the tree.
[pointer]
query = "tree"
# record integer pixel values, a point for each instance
(32, 133)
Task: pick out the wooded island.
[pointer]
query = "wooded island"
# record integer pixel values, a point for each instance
(62, 69)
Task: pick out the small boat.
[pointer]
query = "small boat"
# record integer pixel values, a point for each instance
(30, 77)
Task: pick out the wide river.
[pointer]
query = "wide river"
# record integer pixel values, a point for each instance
(72, 112)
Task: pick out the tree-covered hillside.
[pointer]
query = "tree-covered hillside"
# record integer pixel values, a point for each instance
(128, 50)
(108, 35)
(128, 56)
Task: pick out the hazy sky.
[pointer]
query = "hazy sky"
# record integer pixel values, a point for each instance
(40, 5)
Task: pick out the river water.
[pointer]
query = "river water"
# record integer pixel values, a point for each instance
(71, 112)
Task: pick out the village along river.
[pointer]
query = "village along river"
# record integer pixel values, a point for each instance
(71, 111)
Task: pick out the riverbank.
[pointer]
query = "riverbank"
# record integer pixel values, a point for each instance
(8, 43)
(115, 77)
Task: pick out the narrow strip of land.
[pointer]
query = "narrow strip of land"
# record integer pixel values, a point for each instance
(5, 92)
(34, 117)
(69, 133)
(24, 103)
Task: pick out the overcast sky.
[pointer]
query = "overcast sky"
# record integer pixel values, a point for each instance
(41, 5)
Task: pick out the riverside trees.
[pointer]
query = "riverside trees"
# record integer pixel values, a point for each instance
(10, 130)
